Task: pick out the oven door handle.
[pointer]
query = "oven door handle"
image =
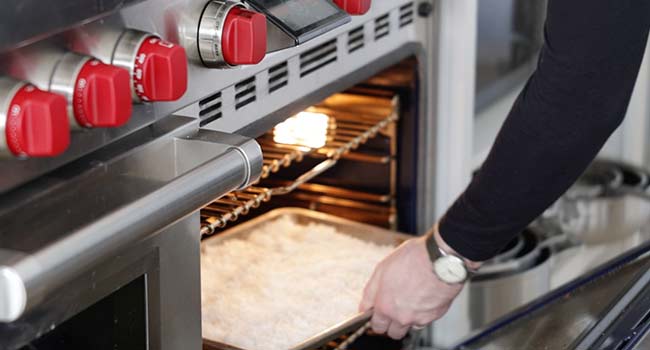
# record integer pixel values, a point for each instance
(159, 183)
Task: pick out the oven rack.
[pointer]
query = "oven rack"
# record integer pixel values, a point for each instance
(344, 342)
(351, 130)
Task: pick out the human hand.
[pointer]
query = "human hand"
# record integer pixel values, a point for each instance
(404, 292)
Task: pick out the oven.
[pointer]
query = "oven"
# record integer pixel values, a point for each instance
(137, 132)
(102, 231)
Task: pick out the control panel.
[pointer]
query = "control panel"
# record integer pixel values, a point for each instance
(157, 68)
(97, 94)
(294, 22)
(68, 92)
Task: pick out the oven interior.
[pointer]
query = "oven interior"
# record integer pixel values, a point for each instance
(349, 155)
(352, 155)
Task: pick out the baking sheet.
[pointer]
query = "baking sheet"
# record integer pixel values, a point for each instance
(303, 216)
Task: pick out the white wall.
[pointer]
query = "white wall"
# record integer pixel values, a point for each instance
(630, 143)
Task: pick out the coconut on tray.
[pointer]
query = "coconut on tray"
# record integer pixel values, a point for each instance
(283, 283)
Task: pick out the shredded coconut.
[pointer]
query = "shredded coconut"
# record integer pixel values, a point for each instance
(284, 284)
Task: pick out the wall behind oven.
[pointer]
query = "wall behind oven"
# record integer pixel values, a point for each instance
(508, 42)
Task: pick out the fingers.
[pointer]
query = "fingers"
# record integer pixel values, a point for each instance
(370, 291)
(397, 331)
(418, 328)
(425, 318)
(380, 323)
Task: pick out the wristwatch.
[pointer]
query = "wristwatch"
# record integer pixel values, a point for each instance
(449, 268)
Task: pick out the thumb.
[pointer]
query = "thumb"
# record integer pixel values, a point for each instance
(370, 292)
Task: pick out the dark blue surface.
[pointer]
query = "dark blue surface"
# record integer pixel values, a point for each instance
(558, 293)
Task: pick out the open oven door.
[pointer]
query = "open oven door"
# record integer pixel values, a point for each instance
(608, 308)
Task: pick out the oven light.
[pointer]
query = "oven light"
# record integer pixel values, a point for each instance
(307, 129)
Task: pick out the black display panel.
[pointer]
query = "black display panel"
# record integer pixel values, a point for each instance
(298, 17)
(118, 321)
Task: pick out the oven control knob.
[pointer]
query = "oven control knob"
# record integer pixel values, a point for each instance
(160, 71)
(243, 39)
(354, 7)
(35, 122)
(158, 68)
(101, 96)
(231, 35)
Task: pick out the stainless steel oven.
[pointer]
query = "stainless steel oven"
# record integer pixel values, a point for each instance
(168, 111)
(133, 130)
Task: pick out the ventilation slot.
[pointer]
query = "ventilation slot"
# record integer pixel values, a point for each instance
(210, 108)
(356, 39)
(317, 58)
(382, 27)
(278, 76)
(245, 93)
(406, 14)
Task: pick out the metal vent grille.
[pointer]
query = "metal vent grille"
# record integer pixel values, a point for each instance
(245, 92)
(406, 14)
(382, 27)
(318, 58)
(356, 39)
(278, 76)
(210, 108)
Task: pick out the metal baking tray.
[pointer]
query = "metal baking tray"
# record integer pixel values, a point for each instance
(304, 216)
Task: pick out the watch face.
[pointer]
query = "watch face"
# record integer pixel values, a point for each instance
(450, 269)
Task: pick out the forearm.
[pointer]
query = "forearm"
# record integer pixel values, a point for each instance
(570, 106)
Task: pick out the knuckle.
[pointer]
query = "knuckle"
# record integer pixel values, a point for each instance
(404, 319)
(384, 308)
(423, 320)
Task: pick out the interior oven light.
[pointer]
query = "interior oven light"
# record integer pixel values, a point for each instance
(308, 129)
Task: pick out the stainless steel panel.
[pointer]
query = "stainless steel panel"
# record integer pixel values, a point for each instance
(177, 21)
(493, 298)
(87, 213)
(24, 21)
(169, 260)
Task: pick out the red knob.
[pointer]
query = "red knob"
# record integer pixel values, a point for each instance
(354, 7)
(243, 39)
(37, 123)
(102, 96)
(160, 71)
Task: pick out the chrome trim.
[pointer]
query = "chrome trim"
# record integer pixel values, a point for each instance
(210, 30)
(14, 299)
(8, 89)
(125, 54)
(64, 81)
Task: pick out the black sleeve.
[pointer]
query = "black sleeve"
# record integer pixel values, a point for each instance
(572, 103)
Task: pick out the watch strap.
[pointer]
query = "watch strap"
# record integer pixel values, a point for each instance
(435, 253)
(432, 247)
